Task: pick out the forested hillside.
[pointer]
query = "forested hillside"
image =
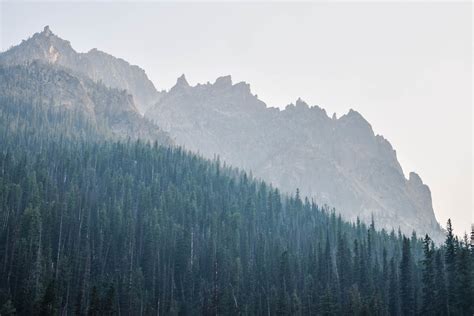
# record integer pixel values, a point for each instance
(336, 161)
(41, 97)
(128, 228)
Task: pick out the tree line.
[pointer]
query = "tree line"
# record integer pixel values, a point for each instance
(90, 226)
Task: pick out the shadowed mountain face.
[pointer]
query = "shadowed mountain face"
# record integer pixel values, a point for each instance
(110, 111)
(97, 65)
(339, 162)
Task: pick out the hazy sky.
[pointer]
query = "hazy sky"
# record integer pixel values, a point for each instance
(407, 68)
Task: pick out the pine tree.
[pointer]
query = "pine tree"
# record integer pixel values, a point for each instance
(406, 286)
(384, 282)
(327, 307)
(450, 262)
(343, 264)
(95, 304)
(108, 303)
(284, 286)
(393, 297)
(48, 302)
(428, 278)
(8, 308)
(464, 280)
(355, 301)
(441, 299)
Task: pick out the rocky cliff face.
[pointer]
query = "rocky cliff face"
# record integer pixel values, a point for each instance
(97, 65)
(112, 111)
(339, 162)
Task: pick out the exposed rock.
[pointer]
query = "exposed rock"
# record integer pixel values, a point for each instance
(181, 83)
(97, 65)
(111, 110)
(223, 82)
(336, 161)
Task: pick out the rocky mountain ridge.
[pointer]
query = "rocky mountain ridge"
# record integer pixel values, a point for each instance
(336, 161)
(95, 64)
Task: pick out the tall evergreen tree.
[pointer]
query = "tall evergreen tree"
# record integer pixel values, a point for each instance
(450, 263)
(48, 302)
(95, 304)
(464, 280)
(428, 307)
(284, 286)
(406, 274)
(441, 299)
(393, 295)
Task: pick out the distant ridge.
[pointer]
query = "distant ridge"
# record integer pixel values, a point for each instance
(97, 65)
(336, 161)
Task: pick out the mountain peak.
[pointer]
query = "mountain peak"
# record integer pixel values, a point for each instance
(354, 113)
(415, 178)
(355, 116)
(45, 39)
(95, 51)
(47, 31)
(301, 103)
(97, 65)
(182, 82)
(224, 81)
(47, 36)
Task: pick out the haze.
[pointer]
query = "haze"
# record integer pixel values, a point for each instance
(407, 68)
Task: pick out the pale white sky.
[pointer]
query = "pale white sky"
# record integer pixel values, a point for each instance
(406, 67)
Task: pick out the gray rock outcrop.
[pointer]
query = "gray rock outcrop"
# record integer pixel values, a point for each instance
(336, 161)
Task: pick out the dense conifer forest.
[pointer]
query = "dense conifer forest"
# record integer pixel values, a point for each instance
(90, 226)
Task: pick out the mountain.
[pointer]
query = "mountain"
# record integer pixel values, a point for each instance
(95, 224)
(97, 65)
(32, 93)
(336, 161)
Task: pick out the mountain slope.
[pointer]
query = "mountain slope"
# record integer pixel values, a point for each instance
(97, 65)
(94, 227)
(38, 88)
(89, 228)
(339, 162)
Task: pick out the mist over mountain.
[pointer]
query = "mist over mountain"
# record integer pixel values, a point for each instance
(35, 87)
(95, 64)
(336, 161)
(103, 213)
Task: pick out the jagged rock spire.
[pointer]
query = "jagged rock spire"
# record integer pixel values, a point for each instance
(301, 103)
(47, 31)
(182, 82)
